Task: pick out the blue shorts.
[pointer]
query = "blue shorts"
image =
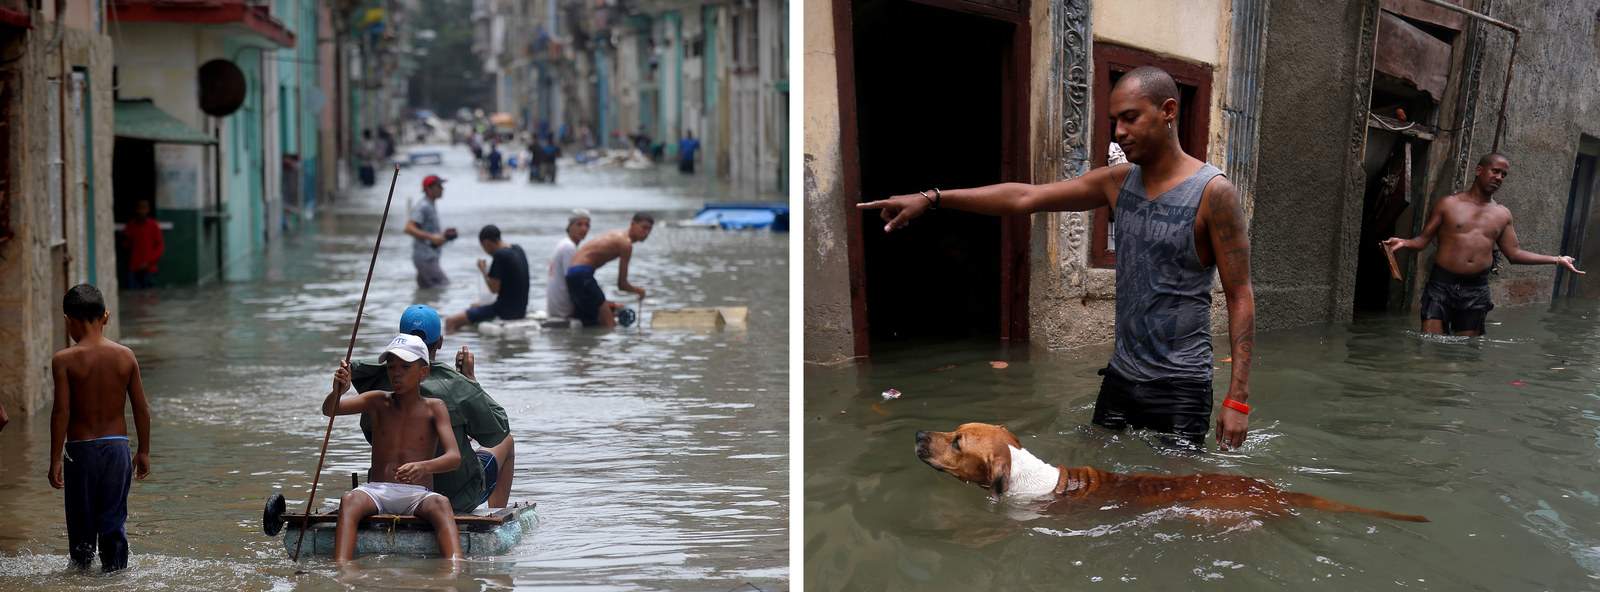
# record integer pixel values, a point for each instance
(98, 474)
(491, 472)
(479, 314)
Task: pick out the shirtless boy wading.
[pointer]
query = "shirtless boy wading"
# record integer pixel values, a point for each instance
(1469, 225)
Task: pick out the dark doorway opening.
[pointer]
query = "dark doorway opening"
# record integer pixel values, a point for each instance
(1395, 200)
(930, 113)
(133, 173)
(1575, 240)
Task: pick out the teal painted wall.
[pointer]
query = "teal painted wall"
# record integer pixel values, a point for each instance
(189, 256)
(241, 169)
(309, 69)
(672, 103)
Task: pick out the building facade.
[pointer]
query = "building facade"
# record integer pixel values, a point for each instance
(606, 73)
(56, 194)
(1406, 96)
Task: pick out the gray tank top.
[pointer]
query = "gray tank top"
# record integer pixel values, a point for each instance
(1163, 293)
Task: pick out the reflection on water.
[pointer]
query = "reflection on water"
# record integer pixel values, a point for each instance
(659, 459)
(1494, 439)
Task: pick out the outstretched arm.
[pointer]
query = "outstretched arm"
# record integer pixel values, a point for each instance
(1418, 242)
(1230, 242)
(1515, 254)
(1092, 190)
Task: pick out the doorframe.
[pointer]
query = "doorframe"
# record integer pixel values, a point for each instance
(1194, 121)
(1015, 166)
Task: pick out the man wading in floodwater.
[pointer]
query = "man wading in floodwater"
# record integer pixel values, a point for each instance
(1469, 225)
(1178, 221)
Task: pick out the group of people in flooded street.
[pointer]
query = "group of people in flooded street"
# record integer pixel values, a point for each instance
(571, 290)
(441, 444)
(1178, 221)
(420, 414)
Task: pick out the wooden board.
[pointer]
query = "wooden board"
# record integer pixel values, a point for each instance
(687, 318)
(1394, 268)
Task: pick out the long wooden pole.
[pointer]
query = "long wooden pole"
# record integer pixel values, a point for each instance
(305, 523)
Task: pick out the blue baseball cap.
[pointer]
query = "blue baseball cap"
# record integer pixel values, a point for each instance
(422, 317)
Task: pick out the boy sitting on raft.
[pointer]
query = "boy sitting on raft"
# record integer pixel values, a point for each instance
(407, 429)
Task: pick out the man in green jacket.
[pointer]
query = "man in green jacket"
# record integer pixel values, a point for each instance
(472, 414)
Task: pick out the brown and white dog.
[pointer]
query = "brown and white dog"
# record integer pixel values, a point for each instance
(992, 457)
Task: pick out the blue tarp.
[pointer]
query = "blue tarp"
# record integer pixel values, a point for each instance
(739, 216)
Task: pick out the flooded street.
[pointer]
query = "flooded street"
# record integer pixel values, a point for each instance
(1493, 439)
(658, 458)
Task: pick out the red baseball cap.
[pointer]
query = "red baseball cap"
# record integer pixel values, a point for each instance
(429, 180)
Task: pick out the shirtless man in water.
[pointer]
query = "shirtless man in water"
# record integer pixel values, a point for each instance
(1469, 225)
(407, 429)
(588, 300)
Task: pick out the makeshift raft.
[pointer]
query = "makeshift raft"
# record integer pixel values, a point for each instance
(534, 323)
(487, 531)
(735, 317)
(540, 321)
(743, 216)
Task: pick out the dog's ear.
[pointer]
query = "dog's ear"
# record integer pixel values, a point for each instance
(999, 472)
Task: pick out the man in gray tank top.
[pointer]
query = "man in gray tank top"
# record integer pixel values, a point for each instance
(1178, 221)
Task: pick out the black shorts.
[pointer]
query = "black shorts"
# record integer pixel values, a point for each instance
(1180, 407)
(1461, 301)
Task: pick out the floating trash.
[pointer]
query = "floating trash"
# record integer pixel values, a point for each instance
(999, 365)
(891, 394)
(943, 368)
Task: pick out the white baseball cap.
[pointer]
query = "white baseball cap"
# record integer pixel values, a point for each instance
(406, 347)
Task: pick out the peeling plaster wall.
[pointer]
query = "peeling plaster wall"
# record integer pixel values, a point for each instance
(1308, 186)
(28, 293)
(829, 333)
(1553, 102)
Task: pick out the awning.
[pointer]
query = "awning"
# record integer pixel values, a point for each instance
(142, 120)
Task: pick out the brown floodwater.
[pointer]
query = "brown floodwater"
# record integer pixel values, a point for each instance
(1495, 439)
(658, 458)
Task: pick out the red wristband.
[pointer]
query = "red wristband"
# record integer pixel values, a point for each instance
(1236, 406)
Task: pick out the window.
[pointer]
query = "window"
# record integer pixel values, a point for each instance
(1194, 120)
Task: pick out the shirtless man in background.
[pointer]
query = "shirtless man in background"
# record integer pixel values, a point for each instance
(1469, 225)
(588, 300)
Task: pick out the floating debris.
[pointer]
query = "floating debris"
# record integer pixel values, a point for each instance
(943, 368)
(999, 365)
(891, 394)
(1519, 384)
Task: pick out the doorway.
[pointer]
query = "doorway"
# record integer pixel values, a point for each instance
(931, 114)
(1580, 208)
